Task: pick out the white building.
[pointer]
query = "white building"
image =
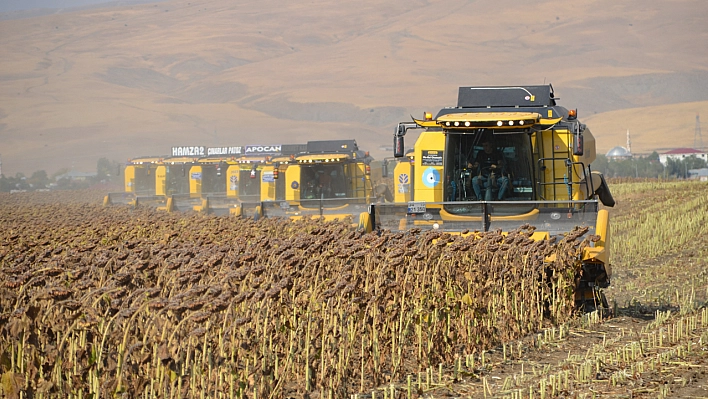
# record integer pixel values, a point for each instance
(680, 154)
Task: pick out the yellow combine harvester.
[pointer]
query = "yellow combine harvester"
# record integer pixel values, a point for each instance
(143, 178)
(227, 181)
(503, 157)
(157, 181)
(329, 179)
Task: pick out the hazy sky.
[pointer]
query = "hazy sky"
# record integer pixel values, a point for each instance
(16, 5)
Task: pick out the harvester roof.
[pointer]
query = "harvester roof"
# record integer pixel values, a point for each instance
(323, 158)
(214, 160)
(177, 160)
(506, 96)
(332, 146)
(146, 159)
(508, 99)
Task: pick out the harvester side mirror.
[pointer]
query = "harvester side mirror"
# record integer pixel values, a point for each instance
(578, 147)
(384, 168)
(398, 146)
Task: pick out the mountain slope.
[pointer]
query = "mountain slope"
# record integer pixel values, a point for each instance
(125, 81)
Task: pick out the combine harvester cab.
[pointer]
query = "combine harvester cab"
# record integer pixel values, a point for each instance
(219, 186)
(142, 178)
(180, 186)
(330, 180)
(220, 175)
(245, 182)
(272, 185)
(541, 175)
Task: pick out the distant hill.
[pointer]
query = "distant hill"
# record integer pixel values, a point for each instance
(37, 5)
(122, 81)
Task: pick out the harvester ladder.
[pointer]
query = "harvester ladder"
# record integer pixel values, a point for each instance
(359, 183)
(557, 179)
(566, 180)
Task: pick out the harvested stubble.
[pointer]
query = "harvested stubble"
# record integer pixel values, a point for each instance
(170, 305)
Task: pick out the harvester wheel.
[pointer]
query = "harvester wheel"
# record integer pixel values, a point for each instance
(602, 304)
(597, 302)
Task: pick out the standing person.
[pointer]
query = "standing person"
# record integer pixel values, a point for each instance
(490, 162)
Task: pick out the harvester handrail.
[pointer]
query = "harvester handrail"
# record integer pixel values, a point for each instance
(524, 202)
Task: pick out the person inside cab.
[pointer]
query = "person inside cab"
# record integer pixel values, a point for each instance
(489, 164)
(324, 183)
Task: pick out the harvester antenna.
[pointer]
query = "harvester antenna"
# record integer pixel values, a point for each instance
(697, 139)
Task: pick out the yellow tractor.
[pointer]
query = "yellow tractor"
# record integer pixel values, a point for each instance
(503, 157)
(329, 179)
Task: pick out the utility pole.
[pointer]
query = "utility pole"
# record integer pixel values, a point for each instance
(697, 139)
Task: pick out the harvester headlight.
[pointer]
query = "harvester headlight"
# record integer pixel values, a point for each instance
(447, 123)
(467, 123)
(499, 123)
(521, 122)
(457, 123)
(511, 123)
(555, 215)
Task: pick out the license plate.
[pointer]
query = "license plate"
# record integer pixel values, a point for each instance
(416, 207)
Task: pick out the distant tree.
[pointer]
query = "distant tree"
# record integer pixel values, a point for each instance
(694, 162)
(680, 167)
(59, 172)
(642, 167)
(6, 184)
(600, 164)
(39, 179)
(20, 182)
(107, 170)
